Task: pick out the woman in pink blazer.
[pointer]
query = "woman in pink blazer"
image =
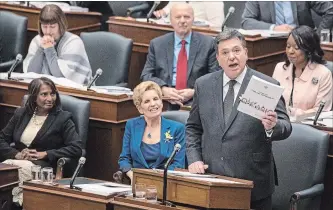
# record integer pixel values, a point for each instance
(306, 80)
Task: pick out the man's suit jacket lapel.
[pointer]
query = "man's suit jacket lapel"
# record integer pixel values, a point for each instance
(218, 97)
(164, 145)
(294, 9)
(272, 11)
(169, 55)
(241, 91)
(138, 136)
(194, 47)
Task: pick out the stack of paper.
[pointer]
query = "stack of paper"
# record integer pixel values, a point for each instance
(325, 118)
(64, 6)
(200, 177)
(105, 189)
(264, 33)
(323, 115)
(113, 90)
(166, 21)
(28, 77)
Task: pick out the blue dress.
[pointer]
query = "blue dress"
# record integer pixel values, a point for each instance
(150, 153)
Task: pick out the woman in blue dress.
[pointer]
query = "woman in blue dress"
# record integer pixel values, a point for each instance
(150, 139)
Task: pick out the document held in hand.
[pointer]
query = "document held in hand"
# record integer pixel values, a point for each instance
(259, 97)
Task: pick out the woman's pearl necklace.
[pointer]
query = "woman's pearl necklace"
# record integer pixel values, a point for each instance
(35, 121)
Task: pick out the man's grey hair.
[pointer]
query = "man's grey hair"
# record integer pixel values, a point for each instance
(227, 35)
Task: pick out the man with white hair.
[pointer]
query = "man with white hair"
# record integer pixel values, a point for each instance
(175, 60)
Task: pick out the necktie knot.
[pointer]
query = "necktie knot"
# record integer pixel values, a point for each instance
(232, 83)
(183, 42)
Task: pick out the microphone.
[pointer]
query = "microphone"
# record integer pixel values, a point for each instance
(79, 166)
(12, 68)
(320, 109)
(142, 7)
(230, 11)
(99, 72)
(150, 13)
(176, 149)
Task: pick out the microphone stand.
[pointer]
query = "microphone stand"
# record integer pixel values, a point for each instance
(165, 177)
(165, 184)
(152, 10)
(320, 109)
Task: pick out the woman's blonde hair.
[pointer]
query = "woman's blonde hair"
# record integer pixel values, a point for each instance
(51, 14)
(141, 88)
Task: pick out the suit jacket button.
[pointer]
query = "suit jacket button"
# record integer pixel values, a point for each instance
(222, 158)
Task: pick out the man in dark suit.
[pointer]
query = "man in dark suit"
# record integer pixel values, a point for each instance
(176, 60)
(230, 142)
(283, 16)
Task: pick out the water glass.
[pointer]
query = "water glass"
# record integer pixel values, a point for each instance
(325, 35)
(47, 175)
(151, 193)
(140, 191)
(35, 173)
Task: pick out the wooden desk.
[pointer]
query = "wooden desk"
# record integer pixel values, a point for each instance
(77, 21)
(8, 180)
(47, 197)
(198, 193)
(328, 50)
(120, 203)
(263, 53)
(108, 115)
(59, 197)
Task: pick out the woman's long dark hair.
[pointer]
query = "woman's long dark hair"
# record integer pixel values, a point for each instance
(309, 42)
(33, 91)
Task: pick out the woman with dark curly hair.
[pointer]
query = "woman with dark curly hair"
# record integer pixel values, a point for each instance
(41, 131)
(306, 80)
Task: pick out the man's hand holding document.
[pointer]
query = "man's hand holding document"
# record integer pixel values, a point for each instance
(259, 97)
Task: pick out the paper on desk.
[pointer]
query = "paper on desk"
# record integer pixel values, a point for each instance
(104, 189)
(28, 77)
(114, 90)
(64, 6)
(202, 177)
(325, 122)
(323, 115)
(264, 33)
(166, 21)
(259, 97)
(187, 174)
(219, 180)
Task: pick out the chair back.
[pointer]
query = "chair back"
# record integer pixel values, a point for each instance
(13, 34)
(110, 52)
(179, 116)
(300, 162)
(80, 110)
(119, 8)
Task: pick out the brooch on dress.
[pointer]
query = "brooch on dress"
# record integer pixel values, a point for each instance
(168, 136)
(314, 80)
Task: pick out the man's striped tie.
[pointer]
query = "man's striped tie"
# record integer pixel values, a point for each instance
(279, 16)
